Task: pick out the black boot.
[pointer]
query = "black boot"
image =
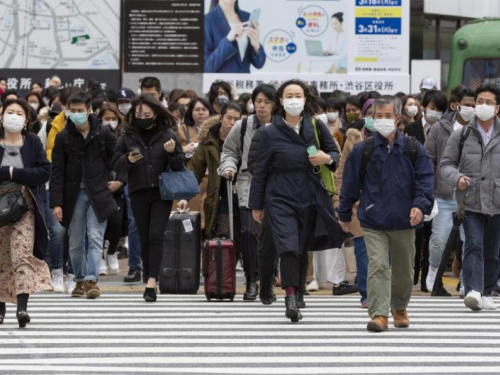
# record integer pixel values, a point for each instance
(300, 301)
(22, 307)
(150, 294)
(3, 310)
(252, 288)
(292, 310)
(266, 295)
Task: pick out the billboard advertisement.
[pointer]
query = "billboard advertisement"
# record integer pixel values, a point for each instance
(351, 45)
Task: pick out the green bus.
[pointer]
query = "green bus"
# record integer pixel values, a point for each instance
(475, 54)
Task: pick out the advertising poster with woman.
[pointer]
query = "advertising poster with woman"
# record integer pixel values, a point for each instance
(330, 40)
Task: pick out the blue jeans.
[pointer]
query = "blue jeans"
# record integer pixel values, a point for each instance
(84, 224)
(57, 234)
(134, 242)
(481, 260)
(441, 229)
(361, 266)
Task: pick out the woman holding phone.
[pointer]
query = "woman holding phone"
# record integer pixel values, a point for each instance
(286, 185)
(232, 39)
(147, 146)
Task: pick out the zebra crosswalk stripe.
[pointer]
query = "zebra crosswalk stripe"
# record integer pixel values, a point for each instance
(121, 334)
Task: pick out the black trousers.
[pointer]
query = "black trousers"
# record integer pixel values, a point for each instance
(248, 242)
(114, 230)
(267, 255)
(293, 267)
(422, 240)
(151, 215)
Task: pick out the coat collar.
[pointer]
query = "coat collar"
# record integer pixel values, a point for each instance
(306, 135)
(382, 141)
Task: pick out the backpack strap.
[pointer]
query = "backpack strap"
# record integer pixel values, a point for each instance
(412, 149)
(368, 148)
(463, 137)
(243, 131)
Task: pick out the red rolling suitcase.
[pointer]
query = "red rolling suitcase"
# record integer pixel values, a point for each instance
(219, 261)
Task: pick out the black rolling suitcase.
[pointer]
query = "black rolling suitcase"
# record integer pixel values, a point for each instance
(180, 268)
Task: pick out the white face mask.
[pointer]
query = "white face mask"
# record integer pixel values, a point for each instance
(467, 113)
(485, 112)
(124, 108)
(35, 106)
(113, 124)
(67, 113)
(13, 123)
(433, 115)
(412, 110)
(293, 106)
(332, 116)
(323, 118)
(385, 126)
(250, 108)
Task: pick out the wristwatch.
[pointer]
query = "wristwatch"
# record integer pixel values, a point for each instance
(331, 161)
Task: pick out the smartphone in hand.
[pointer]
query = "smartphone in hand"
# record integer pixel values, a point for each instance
(312, 150)
(135, 151)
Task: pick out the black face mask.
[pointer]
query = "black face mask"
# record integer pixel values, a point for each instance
(144, 123)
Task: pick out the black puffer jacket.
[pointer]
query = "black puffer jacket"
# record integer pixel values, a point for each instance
(76, 159)
(253, 153)
(146, 172)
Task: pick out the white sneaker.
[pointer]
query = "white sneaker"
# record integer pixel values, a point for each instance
(473, 300)
(70, 283)
(114, 266)
(313, 286)
(488, 303)
(58, 281)
(103, 268)
(431, 277)
(322, 285)
(239, 266)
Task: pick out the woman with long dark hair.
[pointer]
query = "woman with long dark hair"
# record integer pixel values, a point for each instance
(146, 148)
(232, 42)
(23, 167)
(287, 185)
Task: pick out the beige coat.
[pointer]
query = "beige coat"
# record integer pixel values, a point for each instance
(353, 137)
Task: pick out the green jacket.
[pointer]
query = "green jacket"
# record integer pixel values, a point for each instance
(206, 160)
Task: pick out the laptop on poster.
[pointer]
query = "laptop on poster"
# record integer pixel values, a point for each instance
(314, 48)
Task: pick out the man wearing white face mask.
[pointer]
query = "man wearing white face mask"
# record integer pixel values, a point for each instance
(435, 104)
(395, 191)
(476, 170)
(124, 100)
(435, 145)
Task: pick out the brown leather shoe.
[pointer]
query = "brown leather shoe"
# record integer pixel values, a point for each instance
(401, 319)
(92, 290)
(378, 324)
(79, 290)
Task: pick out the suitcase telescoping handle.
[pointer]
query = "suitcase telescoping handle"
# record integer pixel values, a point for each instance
(230, 204)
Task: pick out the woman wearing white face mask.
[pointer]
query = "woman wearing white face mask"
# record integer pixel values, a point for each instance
(286, 177)
(435, 104)
(23, 168)
(112, 118)
(412, 110)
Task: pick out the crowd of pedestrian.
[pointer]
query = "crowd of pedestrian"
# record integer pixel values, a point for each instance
(368, 183)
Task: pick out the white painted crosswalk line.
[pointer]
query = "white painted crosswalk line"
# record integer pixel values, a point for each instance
(120, 333)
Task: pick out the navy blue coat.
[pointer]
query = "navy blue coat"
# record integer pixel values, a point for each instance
(386, 202)
(223, 56)
(284, 182)
(34, 175)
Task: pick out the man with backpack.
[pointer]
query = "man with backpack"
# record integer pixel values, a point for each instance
(392, 177)
(234, 160)
(470, 164)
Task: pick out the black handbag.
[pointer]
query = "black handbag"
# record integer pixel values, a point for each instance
(12, 207)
